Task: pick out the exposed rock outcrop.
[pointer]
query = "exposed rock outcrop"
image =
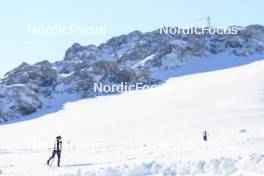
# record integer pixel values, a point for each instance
(128, 58)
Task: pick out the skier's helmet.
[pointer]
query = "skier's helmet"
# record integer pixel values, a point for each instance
(58, 137)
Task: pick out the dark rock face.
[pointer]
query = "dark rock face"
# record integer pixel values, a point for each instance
(128, 58)
(125, 76)
(41, 74)
(18, 100)
(105, 67)
(24, 108)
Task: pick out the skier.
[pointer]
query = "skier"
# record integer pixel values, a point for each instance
(205, 135)
(56, 150)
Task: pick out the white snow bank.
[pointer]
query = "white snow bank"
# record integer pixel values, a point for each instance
(251, 165)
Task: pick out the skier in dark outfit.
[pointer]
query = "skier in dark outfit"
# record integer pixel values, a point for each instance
(205, 135)
(56, 150)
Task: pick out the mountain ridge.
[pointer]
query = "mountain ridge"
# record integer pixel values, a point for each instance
(131, 58)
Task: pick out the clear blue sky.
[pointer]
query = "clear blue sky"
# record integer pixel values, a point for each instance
(118, 16)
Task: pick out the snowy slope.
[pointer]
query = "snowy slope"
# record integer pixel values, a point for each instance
(152, 132)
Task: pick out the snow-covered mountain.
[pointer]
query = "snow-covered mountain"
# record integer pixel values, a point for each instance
(133, 58)
(154, 132)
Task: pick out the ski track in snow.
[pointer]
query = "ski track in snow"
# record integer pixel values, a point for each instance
(151, 132)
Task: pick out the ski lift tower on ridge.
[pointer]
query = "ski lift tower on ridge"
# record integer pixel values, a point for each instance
(208, 21)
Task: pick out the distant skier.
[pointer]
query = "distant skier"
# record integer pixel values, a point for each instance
(205, 135)
(56, 150)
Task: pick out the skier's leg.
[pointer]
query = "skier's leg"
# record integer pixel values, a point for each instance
(52, 156)
(59, 156)
(205, 138)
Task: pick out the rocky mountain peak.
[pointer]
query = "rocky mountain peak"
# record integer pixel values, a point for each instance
(130, 58)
